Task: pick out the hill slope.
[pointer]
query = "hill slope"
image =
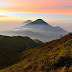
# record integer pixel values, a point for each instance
(53, 56)
(10, 47)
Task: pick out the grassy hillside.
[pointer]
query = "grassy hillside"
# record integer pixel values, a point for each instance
(53, 56)
(10, 47)
(38, 41)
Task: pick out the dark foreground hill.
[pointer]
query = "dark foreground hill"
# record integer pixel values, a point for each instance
(10, 47)
(53, 56)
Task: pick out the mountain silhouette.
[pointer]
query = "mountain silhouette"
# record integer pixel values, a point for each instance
(39, 29)
(28, 21)
(38, 21)
(42, 25)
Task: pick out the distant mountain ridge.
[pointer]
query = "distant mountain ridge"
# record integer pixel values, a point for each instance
(39, 29)
(45, 29)
(38, 21)
(28, 21)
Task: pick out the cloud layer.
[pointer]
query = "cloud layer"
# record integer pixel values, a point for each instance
(2, 16)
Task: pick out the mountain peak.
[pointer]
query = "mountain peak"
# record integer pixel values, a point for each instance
(38, 22)
(28, 21)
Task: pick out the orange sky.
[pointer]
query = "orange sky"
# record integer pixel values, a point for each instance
(37, 6)
(55, 12)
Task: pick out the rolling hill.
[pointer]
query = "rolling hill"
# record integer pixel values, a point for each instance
(10, 47)
(53, 56)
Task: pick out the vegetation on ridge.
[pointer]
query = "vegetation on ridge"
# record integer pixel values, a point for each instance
(10, 47)
(53, 56)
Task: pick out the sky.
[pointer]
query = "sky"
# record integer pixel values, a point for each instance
(54, 12)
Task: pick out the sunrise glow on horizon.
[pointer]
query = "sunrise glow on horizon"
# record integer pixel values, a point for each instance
(37, 6)
(59, 7)
(54, 12)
